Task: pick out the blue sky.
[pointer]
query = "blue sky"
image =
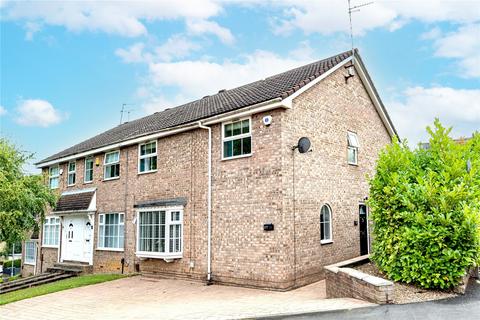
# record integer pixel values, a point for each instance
(67, 67)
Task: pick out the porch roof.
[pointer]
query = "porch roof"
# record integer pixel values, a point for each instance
(75, 202)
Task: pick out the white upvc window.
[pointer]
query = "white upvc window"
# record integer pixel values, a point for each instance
(147, 157)
(111, 165)
(72, 175)
(53, 176)
(88, 176)
(237, 139)
(51, 232)
(160, 232)
(325, 224)
(352, 149)
(30, 252)
(111, 230)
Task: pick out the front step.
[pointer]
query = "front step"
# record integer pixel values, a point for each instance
(72, 268)
(33, 281)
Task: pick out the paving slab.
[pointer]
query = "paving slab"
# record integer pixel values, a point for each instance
(143, 298)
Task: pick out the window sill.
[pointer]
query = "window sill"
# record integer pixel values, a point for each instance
(146, 172)
(165, 256)
(353, 164)
(110, 249)
(87, 182)
(29, 263)
(237, 157)
(50, 246)
(322, 242)
(110, 179)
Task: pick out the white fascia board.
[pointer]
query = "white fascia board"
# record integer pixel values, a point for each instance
(78, 191)
(256, 108)
(288, 101)
(376, 100)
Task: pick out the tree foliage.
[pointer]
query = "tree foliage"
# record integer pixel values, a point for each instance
(425, 207)
(23, 198)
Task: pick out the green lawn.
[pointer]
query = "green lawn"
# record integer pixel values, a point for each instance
(70, 283)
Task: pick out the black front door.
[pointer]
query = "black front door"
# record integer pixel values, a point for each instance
(363, 230)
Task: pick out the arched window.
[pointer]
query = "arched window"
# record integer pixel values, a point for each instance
(325, 224)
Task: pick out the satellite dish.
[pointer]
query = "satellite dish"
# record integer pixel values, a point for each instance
(303, 145)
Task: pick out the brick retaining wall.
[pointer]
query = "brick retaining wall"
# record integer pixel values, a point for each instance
(342, 281)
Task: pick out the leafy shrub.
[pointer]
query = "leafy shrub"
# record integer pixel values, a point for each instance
(425, 207)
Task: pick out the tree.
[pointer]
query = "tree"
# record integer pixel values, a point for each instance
(24, 199)
(425, 206)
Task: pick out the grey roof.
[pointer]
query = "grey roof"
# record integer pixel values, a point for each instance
(74, 202)
(278, 86)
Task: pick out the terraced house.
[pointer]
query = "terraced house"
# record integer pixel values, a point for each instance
(220, 189)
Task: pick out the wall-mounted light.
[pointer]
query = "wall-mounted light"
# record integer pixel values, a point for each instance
(97, 161)
(350, 72)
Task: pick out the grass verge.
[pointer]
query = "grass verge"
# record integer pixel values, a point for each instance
(60, 285)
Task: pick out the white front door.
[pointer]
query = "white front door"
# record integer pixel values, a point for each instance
(77, 238)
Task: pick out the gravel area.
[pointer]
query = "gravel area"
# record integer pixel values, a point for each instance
(407, 293)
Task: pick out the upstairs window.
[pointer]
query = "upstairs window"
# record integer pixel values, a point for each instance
(111, 229)
(88, 170)
(72, 167)
(352, 149)
(160, 233)
(111, 165)
(147, 158)
(53, 176)
(325, 224)
(51, 232)
(237, 139)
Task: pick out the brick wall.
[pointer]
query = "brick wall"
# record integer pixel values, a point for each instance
(344, 282)
(324, 114)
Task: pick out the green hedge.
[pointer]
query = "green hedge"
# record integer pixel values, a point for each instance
(426, 210)
(17, 263)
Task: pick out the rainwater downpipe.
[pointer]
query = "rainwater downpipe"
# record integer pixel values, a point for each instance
(209, 204)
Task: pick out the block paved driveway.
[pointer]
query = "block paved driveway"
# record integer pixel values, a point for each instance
(141, 298)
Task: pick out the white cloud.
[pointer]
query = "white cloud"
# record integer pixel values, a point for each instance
(124, 18)
(176, 47)
(39, 113)
(3, 111)
(324, 18)
(459, 108)
(31, 28)
(132, 54)
(199, 27)
(463, 44)
(431, 34)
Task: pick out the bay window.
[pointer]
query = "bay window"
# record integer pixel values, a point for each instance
(160, 233)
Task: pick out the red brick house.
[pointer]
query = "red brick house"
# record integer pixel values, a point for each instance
(217, 190)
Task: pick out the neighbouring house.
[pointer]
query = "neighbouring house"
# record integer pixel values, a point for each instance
(216, 189)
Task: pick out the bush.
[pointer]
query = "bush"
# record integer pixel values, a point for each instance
(425, 207)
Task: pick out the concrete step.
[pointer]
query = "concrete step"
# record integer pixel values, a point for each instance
(71, 267)
(33, 281)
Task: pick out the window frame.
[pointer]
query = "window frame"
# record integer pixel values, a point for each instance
(236, 137)
(352, 147)
(85, 170)
(74, 173)
(30, 262)
(151, 155)
(167, 254)
(47, 222)
(330, 223)
(57, 176)
(121, 248)
(105, 165)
